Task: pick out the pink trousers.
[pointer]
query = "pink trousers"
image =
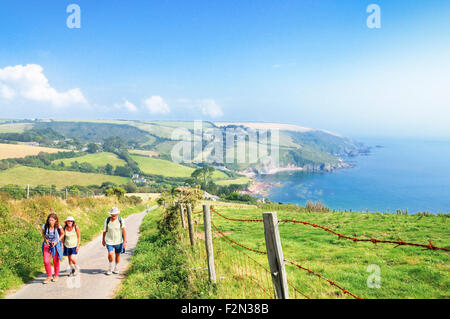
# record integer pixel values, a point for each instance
(47, 259)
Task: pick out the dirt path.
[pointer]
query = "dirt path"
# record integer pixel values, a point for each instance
(92, 282)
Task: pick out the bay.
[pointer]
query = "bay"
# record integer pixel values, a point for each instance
(402, 174)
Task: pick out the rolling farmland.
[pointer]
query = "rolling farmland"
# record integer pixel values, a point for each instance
(166, 168)
(96, 160)
(22, 175)
(18, 150)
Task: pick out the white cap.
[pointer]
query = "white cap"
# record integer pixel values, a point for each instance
(70, 219)
(114, 211)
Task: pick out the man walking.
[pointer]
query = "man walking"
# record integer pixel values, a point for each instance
(114, 238)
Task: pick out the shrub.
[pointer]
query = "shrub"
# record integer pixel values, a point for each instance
(317, 207)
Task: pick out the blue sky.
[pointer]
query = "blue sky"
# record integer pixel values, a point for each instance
(312, 62)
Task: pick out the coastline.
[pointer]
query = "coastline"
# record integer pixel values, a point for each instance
(262, 188)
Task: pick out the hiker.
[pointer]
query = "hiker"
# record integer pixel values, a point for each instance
(52, 246)
(114, 238)
(72, 240)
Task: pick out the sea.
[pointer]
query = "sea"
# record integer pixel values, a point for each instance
(399, 174)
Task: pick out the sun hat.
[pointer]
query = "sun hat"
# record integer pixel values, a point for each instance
(114, 211)
(70, 219)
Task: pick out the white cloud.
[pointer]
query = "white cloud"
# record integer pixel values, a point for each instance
(126, 105)
(157, 105)
(130, 106)
(210, 108)
(7, 93)
(30, 83)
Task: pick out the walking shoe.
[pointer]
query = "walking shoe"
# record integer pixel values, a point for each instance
(47, 280)
(116, 270)
(55, 278)
(76, 271)
(109, 272)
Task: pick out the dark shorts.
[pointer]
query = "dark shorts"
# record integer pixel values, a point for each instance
(70, 251)
(117, 248)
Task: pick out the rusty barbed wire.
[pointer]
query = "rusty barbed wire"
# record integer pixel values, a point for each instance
(235, 219)
(256, 262)
(236, 243)
(375, 241)
(398, 242)
(332, 283)
(345, 291)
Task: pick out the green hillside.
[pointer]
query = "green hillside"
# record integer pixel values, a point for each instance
(15, 127)
(162, 167)
(313, 150)
(96, 160)
(157, 166)
(95, 131)
(22, 175)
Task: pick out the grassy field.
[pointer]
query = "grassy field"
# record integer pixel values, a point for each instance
(406, 272)
(239, 181)
(145, 153)
(20, 238)
(18, 151)
(166, 168)
(15, 127)
(99, 159)
(162, 167)
(22, 175)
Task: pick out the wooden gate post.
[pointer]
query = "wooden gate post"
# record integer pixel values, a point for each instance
(183, 222)
(190, 225)
(28, 191)
(209, 243)
(275, 256)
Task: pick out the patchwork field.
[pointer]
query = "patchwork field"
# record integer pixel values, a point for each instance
(239, 181)
(145, 153)
(18, 151)
(15, 127)
(166, 168)
(22, 175)
(96, 160)
(162, 167)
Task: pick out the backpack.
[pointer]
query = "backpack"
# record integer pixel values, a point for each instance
(109, 219)
(59, 231)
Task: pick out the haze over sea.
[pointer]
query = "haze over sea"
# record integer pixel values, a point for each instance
(412, 174)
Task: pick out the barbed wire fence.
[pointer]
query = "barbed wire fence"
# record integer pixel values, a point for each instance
(255, 280)
(29, 191)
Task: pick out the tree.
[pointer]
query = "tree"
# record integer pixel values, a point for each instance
(113, 144)
(87, 167)
(203, 175)
(124, 171)
(93, 148)
(109, 169)
(130, 188)
(115, 191)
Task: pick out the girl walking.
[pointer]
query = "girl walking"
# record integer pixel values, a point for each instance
(53, 234)
(72, 240)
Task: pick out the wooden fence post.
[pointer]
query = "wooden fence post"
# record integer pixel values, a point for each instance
(183, 222)
(66, 193)
(28, 191)
(275, 256)
(190, 225)
(209, 243)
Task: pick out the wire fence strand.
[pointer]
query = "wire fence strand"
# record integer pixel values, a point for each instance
(375, 241)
